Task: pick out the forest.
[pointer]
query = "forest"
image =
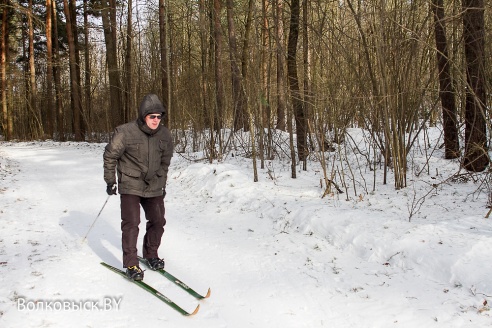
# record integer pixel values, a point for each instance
(237, 74)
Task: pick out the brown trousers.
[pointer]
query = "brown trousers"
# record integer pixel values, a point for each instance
(130, 219)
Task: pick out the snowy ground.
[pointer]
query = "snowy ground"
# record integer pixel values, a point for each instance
(274, 253)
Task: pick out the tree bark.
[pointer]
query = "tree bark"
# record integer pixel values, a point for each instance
(446, 88)
(165, 73)
(60, 114)
(246, 52)
(279, 42)
(49, 71)
(203, 63)
(75, 86)
(306, 66)
(297, 103)
(476, 158)
(36, 128)
(72, 5)
(7, 127)
(238, 94)
(108, 14)
(264, 55)
(219, 75)
(129, 93)
(88, 71)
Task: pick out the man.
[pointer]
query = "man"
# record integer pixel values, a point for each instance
(139, 154)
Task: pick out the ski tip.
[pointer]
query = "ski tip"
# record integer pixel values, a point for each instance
(196, 310)
(208, 293)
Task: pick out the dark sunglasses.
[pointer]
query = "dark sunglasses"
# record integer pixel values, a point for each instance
(155, 116)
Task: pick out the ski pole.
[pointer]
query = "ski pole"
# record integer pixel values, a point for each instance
(96, 218)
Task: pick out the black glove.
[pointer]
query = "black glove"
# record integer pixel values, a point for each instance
(111, 189)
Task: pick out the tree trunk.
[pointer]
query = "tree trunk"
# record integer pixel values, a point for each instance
(264, 55)
(294, 81)
(203, 63)
(476, 158)
(238, 95)
(75, 87)
(108, 14)
(279, 42)
(60, 114)
(81, 117)
(264, 108)
(246, 52)
(306, 66)
(36, 128)
(87, 73)
(129, 93)
(7, 128)
(446, 89)
(219, 75)
(165, 73)
(49, 71)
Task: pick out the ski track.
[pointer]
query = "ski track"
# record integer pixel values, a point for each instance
(262, 272)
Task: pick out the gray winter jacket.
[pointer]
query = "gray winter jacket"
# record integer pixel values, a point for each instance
(139, 155)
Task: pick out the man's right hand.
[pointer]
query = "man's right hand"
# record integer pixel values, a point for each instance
(111, 189)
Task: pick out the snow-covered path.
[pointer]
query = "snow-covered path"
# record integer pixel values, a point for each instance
(224, 232)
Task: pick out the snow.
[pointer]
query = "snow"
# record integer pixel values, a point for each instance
(274, 252)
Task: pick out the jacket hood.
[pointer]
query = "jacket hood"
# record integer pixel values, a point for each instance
(150, 104)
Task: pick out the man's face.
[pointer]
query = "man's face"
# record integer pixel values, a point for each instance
(153, 120)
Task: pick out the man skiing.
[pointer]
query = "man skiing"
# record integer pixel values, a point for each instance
(139, 155)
